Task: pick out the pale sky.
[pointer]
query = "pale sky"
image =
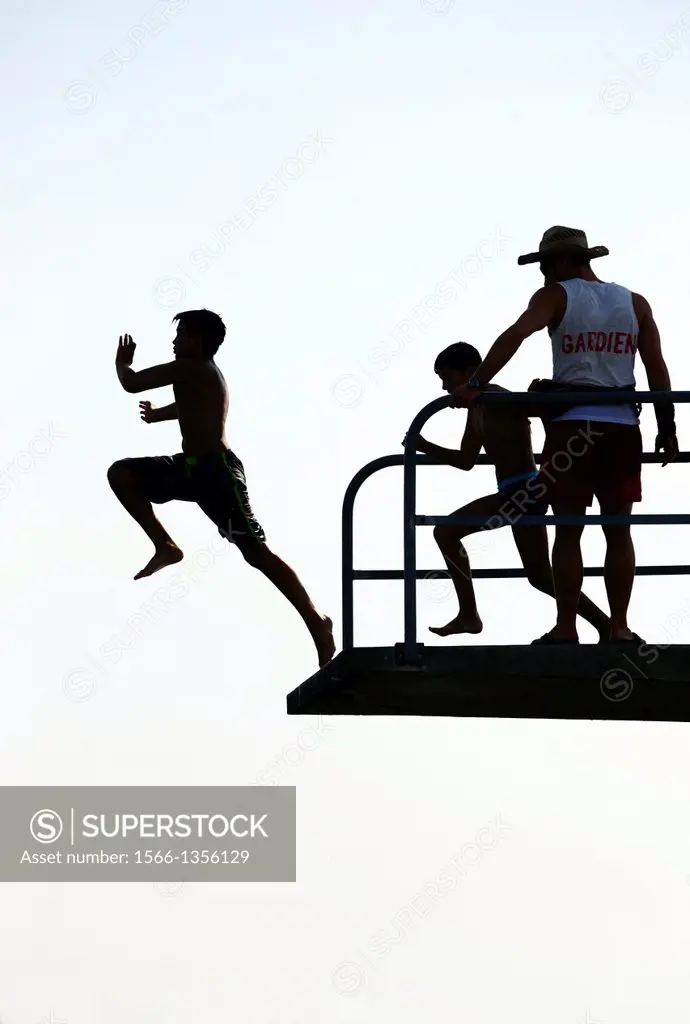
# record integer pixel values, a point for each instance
(381, 146)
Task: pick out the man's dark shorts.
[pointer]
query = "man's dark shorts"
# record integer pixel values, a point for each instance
(585, 459)
(216, 482)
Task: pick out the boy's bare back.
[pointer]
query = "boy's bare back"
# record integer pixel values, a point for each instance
(506, 436)
(202, 407)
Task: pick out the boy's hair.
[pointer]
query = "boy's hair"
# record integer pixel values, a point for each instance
(204, 324)
(459, 356)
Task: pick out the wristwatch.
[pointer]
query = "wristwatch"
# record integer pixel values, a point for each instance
(475, 382)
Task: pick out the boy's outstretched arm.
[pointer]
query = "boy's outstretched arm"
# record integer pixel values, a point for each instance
(160, 376)
(465, 458)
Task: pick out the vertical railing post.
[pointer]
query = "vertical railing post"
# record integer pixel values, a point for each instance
(347, 541)
(410, 546)
(348, 582)
(409, 648)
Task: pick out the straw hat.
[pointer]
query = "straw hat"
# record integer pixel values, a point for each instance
(560, 241)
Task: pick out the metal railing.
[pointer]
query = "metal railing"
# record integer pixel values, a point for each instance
(410, 460)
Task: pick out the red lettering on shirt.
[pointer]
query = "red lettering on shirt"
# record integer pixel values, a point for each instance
(618, 342)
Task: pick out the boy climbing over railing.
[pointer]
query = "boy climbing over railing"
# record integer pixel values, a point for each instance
(504, 432)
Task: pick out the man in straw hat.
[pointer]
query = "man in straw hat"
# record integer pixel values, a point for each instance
(596, 329)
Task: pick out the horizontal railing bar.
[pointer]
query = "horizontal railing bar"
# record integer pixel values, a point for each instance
(582, 397)
(509, 574)
(388, 461)
(520, 520)
(484, 460)
(412, 458)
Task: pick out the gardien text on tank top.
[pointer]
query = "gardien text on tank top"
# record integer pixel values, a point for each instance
(596, 341)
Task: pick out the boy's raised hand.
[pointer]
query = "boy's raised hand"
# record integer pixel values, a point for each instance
(147, 412)
(125, 350)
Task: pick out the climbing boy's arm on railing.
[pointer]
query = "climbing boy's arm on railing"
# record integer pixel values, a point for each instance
(465, 458)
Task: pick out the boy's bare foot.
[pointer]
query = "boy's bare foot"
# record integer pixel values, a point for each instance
(168, 555)
(460, 624)
(322, 635)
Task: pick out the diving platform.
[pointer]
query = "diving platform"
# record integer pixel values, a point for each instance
(627, 682)
(591, 681)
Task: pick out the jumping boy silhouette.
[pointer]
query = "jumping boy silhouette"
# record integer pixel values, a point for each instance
(206, 471)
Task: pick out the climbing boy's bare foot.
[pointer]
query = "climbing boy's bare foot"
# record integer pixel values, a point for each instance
(168, 555)
(460, 624)
(322, 635)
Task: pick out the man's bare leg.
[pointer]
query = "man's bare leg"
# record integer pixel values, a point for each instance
(449, 539)
(568, 573)
(532, 543)
(619, 573)
(125, 488)
(285, 579)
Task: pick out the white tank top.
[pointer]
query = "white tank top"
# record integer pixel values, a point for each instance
(596, 343)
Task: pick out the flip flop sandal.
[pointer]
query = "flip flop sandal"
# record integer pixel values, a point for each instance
(634, 639)
(548, 640)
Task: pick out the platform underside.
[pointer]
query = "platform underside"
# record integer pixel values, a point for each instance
(626, 682)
